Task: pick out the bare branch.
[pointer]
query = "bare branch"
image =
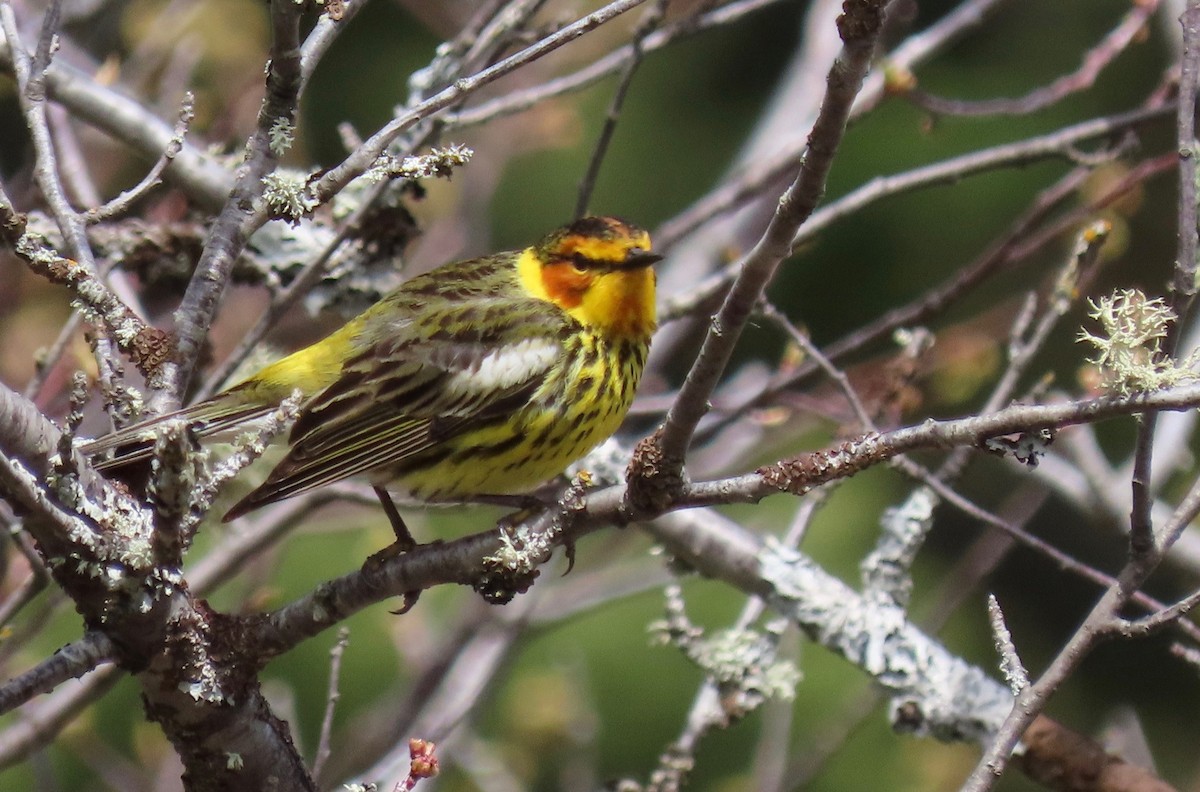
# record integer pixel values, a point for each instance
(1095, 60)
(1102, 623)
(53, 714)
(123, 202)
(1184, 282)
(364, 157)
(610, 64)
(1058, 144)
(133, 336)
(859, 26)
(232, 227)
(70, 662)
(1017, 243)
(331, 699)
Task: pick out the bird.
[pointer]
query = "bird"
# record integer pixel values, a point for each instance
(483, 377)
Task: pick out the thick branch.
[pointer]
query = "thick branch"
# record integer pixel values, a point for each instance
(232, 227)
(100, 552)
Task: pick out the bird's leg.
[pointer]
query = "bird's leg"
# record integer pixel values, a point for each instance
(404, 538)
(404, 542)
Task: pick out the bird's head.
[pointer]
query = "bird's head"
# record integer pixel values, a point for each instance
(598, 270)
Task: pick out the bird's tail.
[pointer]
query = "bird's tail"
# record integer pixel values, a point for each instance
(135, 443)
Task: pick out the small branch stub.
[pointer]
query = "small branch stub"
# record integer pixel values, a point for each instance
(652, 483)
(1010, 662)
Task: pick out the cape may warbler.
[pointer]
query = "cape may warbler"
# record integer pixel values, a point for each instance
(481, 377)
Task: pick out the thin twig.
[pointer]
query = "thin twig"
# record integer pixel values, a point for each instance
(79, 272)
(1148, 625)
(914, 50)
(1056, 145)
(609, 64)
(443, 698)
(324, 742)
(125, 201)
(337, 177)
(1095, 60)
(492, 29)
(70, 662)
(1010, 662)
(588, 183)
(1141, 522)
(194, 171)
(859, 26)
(321, 38)
(813, 352)
(1015, 531)
(37, 728)
(1102, 622)
(1024, 345)
(1184, 282)
(1018, 243)
(75, 171)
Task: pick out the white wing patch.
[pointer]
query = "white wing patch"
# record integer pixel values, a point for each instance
(505, 367)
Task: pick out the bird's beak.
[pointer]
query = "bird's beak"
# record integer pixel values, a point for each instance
(637, 259)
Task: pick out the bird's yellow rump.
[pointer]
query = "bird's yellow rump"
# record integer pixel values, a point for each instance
(482, 377)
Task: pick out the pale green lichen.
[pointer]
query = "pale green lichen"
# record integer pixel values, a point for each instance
(438, 162)
(281, 135)
(742, 661)
(508, 555)
(128, 403)
(287, 195)
(526, 542)
(247, 447)
(177, 468)
(521, 549)
(36, 249)
(1129, 349)
(746, 659)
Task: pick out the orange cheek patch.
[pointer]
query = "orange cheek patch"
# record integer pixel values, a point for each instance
(565, 285)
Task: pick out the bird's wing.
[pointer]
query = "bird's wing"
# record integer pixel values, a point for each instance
(403, 396)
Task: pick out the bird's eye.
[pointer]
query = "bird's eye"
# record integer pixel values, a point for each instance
(580, 263)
